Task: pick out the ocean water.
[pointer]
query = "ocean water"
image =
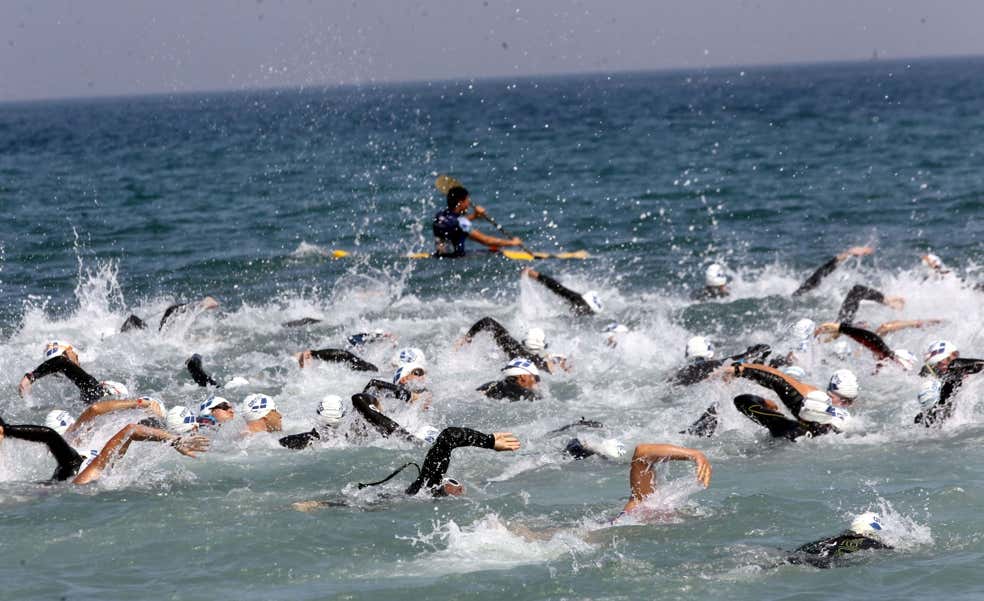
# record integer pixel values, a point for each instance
(126, 205)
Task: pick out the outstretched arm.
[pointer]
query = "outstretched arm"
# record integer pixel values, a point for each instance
(901, 324)
(103, 407)
(335, 355)
(439, 456)
(827, 268)
(364, 405)
(205, 304)
(790, 390)
(642, 479)
(120, 442)
(68, 459)
(578, 305)
(88, 386)
(852, 301)
(197, 372)
(866, 338)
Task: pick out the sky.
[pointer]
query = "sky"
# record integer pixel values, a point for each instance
(64, 48)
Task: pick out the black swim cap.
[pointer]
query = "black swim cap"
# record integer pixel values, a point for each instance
(456, 195)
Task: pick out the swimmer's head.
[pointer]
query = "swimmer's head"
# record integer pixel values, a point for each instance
(181, 420)
(330, 411)
(411, 375)
(522, 371)
(456, 196)
(939, 354)
(868, 524)
(113, 389)
(56, 348)
(257, 406)
(714, 276)
(611, 448)
(844, 384)
(217, 408)
(59, 421)
(699, 347)
(535, 340)
(593, 300)
(449, 488)
(933, 262)
(409, 355)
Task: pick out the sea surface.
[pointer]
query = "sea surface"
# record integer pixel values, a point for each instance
(127, 205)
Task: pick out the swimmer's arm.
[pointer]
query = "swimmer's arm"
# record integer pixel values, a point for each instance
(120, 443)
(398, 391)
(901, 324)
(790, 391)
(365, 406)
(492, 241)
(814, 280)
(439, 456)
(68, 458)
(858, 293)
(868, 339)
(206, 303)
(642, 479)
(300, 441)
(88, 385)
(962, 366)
(194, 364)
(103, 407)
(578, 304)
(343, 356)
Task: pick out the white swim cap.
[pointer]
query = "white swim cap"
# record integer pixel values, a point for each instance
(906, 359)
(699, 347)
(841, 349)
(714, 275)
(844, 383)
(180, 420)
(257, 406)
(594, 301)
(427, 434)
(868, 523)
(409, 354)
(406, 369)
(817, 408)
(932, 261)
(115, 389)
(611, 448)
(536, 339)
(938, 351)
(206, 406)
(59, 421)
(55, 349)
(520, 367)
(794, 371)
(330, 410)
(929, 392)
(802, 329)
(236, 382)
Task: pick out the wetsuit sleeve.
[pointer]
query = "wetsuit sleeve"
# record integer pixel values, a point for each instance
(304, 321)
(509, 345)
(696, 372)
(852, 301)
(362, 403)
(439, 456)
(300, 441)
(960, 367)
(335, 355)
(398, 391)
(756, 353)
(790, 391)
(133, 323)
(88, 386)
(578, 305)
(814, 280)
(868, 339)
(68, 459)
(198, 372)
(170, 312)
(824, 553)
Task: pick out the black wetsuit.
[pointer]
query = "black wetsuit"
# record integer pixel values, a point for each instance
(700, 369)
(335, 355)
(90, 390)
(869, 340)
(509, 345)
(814, 280)
(300, 441)
(304, 321)
(438, 458)
(135, 323)
(69, 460)
(852, 301)
(710, 293)
(508, 389)
(830, 552)
(950, 382)
(579, 306)
(194, 364)
(364, 406)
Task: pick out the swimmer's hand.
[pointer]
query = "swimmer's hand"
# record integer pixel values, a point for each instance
(514, 242)
(25, 386)
(208, 303)
(303, 358)
(703, 468)
(190, 445)
(895, 302)
(831, 329)
(505, 441)
(856, 251)
(530, 273)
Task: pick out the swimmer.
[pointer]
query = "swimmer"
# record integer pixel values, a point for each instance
(451, 227)
(215, 411)
(580, 304)
(63, 423)
(827, 268)
(520, 383)
(333, 355)
(261, 415)
(863, 535)
(817, 412)
(700, 354)
(61, 358)
(871, 341)
(949, 370)
(135, 323)
(642, 478)
(328, 416)
(533, 347)
(715, 284)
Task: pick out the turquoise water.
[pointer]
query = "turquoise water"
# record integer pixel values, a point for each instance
(125, 205)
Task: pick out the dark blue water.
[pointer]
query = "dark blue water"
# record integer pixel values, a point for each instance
(124, 205)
